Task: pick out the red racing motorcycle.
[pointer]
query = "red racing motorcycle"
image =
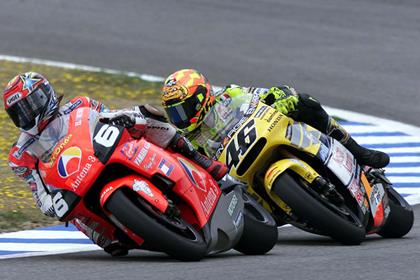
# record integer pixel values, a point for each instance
(151, 198)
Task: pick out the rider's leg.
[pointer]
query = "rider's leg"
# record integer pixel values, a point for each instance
(310, 111)
(181, 145)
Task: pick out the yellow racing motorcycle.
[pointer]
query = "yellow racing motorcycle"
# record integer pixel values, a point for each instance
(308, 179)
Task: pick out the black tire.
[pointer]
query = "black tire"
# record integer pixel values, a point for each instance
(260, 229)
(183, 247)
(317, 213)
(401, 217)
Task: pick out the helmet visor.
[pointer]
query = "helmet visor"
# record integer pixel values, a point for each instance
(24, 112)
(181, 114)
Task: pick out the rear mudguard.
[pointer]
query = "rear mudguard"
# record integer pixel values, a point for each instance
(300, 167)
(143, 187)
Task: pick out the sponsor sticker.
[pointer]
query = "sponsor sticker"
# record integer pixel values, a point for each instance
(129, 150)
(142, 154)
(14, 98)
(165, 167)
(69, 162)
(83, 173)
(232, 205)
(142, 186)
(58, 149)
(194, 175)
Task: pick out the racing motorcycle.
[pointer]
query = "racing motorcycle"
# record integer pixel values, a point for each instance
(308, 179)
(150, 198)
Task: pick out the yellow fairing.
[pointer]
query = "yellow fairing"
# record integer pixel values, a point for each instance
(260, 136)
(256, 146)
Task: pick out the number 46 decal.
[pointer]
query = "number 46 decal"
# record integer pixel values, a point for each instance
(240, 144)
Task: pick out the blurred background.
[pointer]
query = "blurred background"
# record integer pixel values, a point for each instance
(361, 55)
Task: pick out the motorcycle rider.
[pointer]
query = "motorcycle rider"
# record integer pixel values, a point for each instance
(32, 104)
(202, 115)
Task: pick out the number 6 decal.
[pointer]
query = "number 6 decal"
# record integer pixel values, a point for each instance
(60, 205)
(107, 135)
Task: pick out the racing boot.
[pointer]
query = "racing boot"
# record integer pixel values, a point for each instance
(310, 111)
(364, 156)
(181, 144)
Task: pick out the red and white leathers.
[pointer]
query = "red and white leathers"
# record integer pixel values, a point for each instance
(146, 121)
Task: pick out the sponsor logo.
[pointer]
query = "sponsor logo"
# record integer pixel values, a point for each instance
(194, 175)
(174, 92)
(142, 186)
(149, 165)
(170, 82)
(165, 167)
(238, 219)
(209, 201)
(60, 148)
(110, 188)
(73, 106)
(260, 112)
(232, 205)
(79, 115)
(225, 99)
(83, 173)
(357, 193)
(129, 150)
(157, 127)
(69, 162)
(14, 98)
(142, 154)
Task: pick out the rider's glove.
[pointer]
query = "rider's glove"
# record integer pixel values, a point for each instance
(46, 204)
(282, 98)
(126, 121)
(125, 118)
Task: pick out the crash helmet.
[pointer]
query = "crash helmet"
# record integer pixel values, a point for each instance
(30, 101)
(187, 97)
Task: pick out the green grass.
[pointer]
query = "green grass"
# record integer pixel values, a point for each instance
(17, 208)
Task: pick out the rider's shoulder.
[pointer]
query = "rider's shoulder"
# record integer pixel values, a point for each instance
(74, 103)
(18, 153)
(231, 90)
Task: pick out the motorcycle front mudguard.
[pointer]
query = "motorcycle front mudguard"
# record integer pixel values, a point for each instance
(143, 187)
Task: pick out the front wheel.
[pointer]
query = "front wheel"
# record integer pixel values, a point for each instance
(260, 229)
(337, 222)
(401, 217)
(171, 235)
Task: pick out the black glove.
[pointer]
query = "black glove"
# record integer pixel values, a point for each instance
(123, 120)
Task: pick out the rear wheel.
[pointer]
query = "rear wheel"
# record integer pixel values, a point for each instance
(338, 222)
(401, 217)
(169, 234)
(260, 230)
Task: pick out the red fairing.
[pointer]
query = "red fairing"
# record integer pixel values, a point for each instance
(76, 162)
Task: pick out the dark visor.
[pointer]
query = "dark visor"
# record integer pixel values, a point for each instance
(24, 112)
(181, 114)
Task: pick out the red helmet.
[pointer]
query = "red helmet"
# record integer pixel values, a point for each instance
(30, 101)
(187, 98)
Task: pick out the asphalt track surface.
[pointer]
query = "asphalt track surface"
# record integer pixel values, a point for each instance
(360, 55)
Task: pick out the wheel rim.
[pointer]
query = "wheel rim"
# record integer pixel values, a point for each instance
(174, 223)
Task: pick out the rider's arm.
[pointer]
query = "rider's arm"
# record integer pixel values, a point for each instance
(283, 98)
(24, 167)
(144, 121)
